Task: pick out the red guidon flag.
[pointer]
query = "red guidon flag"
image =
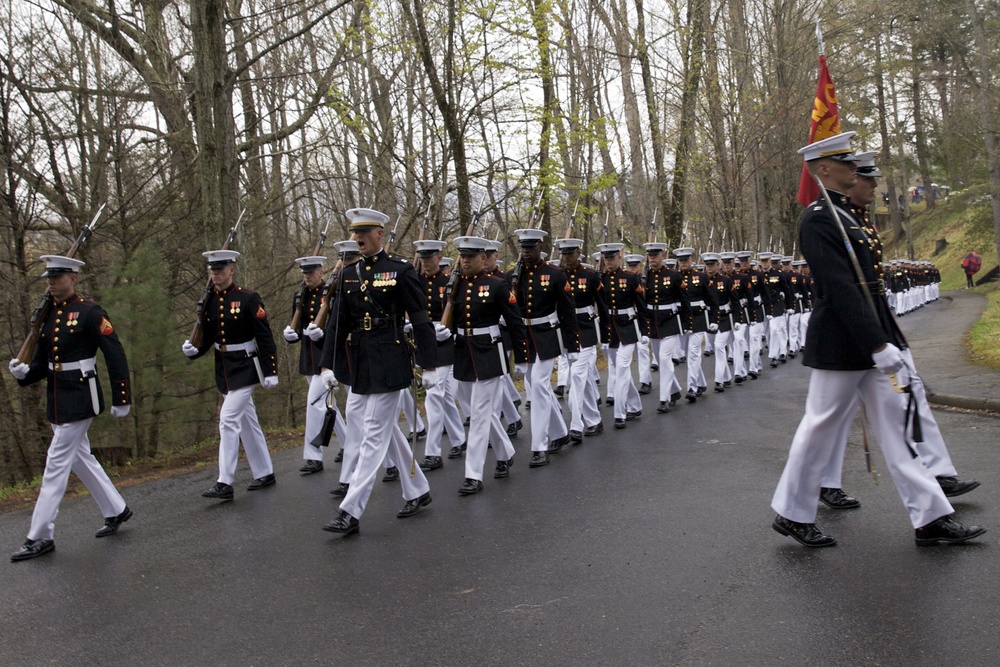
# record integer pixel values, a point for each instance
(825, 123)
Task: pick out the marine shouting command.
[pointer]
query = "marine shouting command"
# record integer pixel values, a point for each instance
(375, 327)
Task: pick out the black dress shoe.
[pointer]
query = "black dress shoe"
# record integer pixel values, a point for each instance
(619, 423)
(466, 422)
(341, 490)
(517, 404)
(746, 355)
(708, 353)
(527, 404)
(692, 397)
(805, 534)
(220, 491)
(560, 391)
(632, 416)
(33, 549)
(946, 531)
(261, 482)
(740, 379)
(111, 524)
(791, 355)
(339, 458)
(413, 506)
(774, 363)
(754, 375)
(674, 397)
(599, 401)
(344, 523)
(512, 429)
(431, 463)
(702, 390)
(576, 437)
(837, 499)
(594, 430)
(677, 362)
(664, 408)
(653, 368)
(558, 444)
(456, 452)
(391, 474)
(783, 358)
(502, 469)
(421, 434)
(311, 467)
(470, 486)
(610, 400)
(719, 388)
(727, 383)
(538, 459)
(953, 487)
(645, 388)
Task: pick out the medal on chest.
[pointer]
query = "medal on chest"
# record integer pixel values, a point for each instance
(384, 279)
(484, 292)
(72, 320)
(234, 307)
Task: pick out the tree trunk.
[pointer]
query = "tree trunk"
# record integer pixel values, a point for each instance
(885, 158)
(986, 117)
(919, 127)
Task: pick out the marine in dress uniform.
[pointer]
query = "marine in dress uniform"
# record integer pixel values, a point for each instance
(758, 303)
(546, 306)
(508, 399)
(778, 302)
(664, 303)
(480, 364)
(235, 325)
(587, 291)
(853, 345)
(722, 285)
(740, 309)
(698, 319)
(66, 358)
(311, 338)
(931, 446)
(634, 263)
(439, 401)
(368, 321)
(625, 329)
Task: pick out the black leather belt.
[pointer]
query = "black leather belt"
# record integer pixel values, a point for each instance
(372, 323)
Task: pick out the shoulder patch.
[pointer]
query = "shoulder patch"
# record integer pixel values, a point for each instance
(511, 299)
(106, 327)
(260, 314)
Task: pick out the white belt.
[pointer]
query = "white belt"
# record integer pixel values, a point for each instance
(724, 308)
(552, 319)
(757, 299)
(480, 331)
(84, 366)
(589, 310)
(697, 304)
(248, 347)
(673, 307)
(629, 312)
(743, 302)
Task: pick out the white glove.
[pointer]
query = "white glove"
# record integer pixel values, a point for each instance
(289, 334)
(270, 382)
(442, 332)
(768, 318)
(329, 379)
(520, 370)
(314, 332)
(644, 340)
(604, 347)
(18, 369)
(119, 411)
(407, 327)
(889, 360)
(189, 349)
(737, 327)
(429, 378)
(571, 357)
(713, 327)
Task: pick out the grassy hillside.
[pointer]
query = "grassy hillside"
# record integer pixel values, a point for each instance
(964, 220)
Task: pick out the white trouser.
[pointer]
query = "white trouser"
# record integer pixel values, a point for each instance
(804, 327)
(379, 417)
(406, 404)
(794, 343)
(739, 351)
(723, 342)
(777, 344)
(315, 415)
(70, 451)
(645, 363)
(610, 354)
(695, 374)
(709, 343)
(546, 417)
(626, 395)
(817, 439)
(442, 414)
(933, 451)
(463, 395)
(682, 346)
(666, 349)
(352, 436)
(238, 419)
(562, 371)
(583, 393)
(484, 428)
(756, 337)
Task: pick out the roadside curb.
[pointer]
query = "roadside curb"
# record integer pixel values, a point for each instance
(966, 402)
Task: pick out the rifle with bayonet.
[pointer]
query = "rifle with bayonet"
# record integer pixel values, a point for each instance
(422, 235)
(387, 246)
(41, 311)
(449, 306)
(300, 295)
(604, 239)
(572, 221)
(195, 336)
(651, 237)
(519, 267)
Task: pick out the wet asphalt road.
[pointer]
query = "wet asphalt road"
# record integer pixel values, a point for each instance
(648, 546)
